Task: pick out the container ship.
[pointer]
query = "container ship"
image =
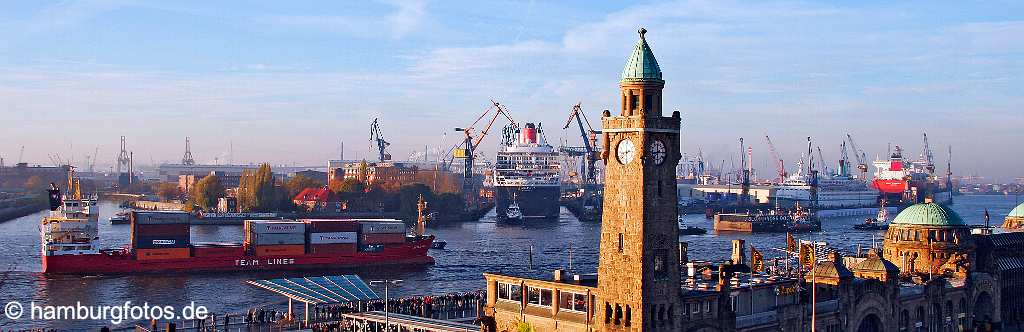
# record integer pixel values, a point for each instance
(526, 176)
(903, 182)
(161, 243)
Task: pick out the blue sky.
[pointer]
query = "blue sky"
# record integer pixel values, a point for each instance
(285, 81)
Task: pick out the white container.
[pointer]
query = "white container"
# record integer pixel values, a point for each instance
(277, 238)
(333, 238)
(382, 227)
(279, 227)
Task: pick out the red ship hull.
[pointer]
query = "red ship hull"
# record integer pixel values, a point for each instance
(890, 186)
(410, 253)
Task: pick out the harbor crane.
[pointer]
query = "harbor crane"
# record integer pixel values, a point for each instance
(927, 157)
(780, 166)
(745, 189)
(821, 160)
(187, 158)
(377, 137)
(589, 136)
(862, 165)
(472, 139)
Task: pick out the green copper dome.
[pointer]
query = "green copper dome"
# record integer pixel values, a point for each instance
(928, 214)
(641, 64)
(1017, 211)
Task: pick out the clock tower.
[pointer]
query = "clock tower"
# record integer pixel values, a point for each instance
(638, 268)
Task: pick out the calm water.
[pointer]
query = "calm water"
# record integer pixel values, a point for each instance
(473, 248)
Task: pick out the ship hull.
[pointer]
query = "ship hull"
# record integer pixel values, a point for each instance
(410, 253)
(534, 202)
(890, 186)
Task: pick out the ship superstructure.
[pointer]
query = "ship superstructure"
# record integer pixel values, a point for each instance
(71, 228)
(526, 174)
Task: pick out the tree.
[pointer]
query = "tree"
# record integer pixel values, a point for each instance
(347, 186)
(409, 195)
(206, 192)
(257, 191)
(166, 190)
(364, 172)
(299, 183)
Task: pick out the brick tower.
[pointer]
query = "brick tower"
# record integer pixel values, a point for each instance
(638, 284)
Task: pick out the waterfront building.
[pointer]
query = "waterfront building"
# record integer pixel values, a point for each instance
(931, 273)
(395, 173)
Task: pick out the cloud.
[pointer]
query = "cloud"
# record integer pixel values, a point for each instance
(405, 18)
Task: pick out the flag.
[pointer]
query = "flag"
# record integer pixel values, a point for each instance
(807, 255)
(756, 260)
(790, 242)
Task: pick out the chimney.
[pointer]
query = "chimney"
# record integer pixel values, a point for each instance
(559, 275)
(739, 255)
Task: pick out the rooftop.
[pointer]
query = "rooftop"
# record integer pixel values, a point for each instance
(928, 214)
(641, 64)
(1017, 212)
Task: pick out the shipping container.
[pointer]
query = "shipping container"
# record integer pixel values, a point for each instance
(333, 238)
(160, 230)
(159, 217)
(332, 225)
(343, 248)
(382, 227)
(275, 238)
(280, 250)
(381, 238)
(218, 251)
(275, 226)
(163, 253)
(151, 242)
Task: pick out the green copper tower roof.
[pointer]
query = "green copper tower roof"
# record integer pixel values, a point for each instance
(928, 214)
(641, 64)
(1017, 211)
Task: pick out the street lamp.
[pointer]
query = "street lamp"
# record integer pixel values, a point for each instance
(386, 282)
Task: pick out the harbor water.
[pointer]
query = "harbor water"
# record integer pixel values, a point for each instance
(473, 248)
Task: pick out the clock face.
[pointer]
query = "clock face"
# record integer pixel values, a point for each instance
(625, 151)
(657, 150)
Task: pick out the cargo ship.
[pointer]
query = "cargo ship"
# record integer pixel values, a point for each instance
(161, 243)
(526, 175)
(903, 182)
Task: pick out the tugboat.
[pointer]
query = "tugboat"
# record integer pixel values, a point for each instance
(691, 230)
(879, 223)
(121, 218)
(513, 212)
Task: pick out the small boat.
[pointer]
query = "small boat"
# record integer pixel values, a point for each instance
(438, 244)
(121, 218)
(879, 223)
(513, 212)
(692, 230)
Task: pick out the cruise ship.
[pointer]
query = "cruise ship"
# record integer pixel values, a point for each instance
(835, 191)
(526, 175)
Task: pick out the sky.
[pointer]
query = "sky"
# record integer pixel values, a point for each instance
(286, 81)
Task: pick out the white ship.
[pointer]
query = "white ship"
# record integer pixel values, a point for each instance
(835, 191)
(72, 226)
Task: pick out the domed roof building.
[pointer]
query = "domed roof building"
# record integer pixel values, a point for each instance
(924, 237)
(1015, 220)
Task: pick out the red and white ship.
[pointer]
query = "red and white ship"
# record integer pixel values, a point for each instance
(907, 181)
(69, 235)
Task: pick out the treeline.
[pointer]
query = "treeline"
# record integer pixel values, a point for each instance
(259, 191)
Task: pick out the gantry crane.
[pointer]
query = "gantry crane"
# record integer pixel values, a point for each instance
(377, 137)
(780, 166)
(589, 136)
(472, 139)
